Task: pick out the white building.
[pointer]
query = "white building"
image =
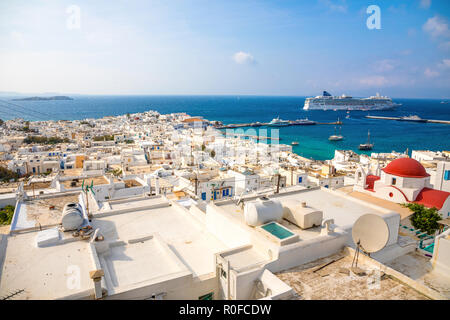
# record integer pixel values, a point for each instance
(403, 180)
(442, 176)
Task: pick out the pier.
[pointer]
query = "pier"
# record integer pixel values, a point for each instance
(260, 124)
(401, 119)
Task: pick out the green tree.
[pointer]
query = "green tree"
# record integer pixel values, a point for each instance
(213, 153)
(117, 172)
(6, 174)
(424, 219)
(6, 215)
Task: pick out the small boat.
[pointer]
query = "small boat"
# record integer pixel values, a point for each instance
(444, 102)
(368, 145)
(256, 124)
(294, 143)
(347, 117)
(335, 137)
(277, 122)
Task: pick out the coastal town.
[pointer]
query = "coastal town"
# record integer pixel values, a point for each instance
(176, 206)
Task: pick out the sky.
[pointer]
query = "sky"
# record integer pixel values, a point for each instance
(208, 47)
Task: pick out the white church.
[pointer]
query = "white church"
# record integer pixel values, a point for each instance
(403, 180)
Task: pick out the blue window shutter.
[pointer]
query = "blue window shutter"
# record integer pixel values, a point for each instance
(204, 196)
(447, 175)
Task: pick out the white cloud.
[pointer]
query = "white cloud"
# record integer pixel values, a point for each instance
(430, 73)
(437, 27)
(331, 5)
(243, 58)
(446, 63)
(384, 65)
(425, 4)
(374, 81)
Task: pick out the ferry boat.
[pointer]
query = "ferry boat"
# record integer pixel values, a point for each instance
(303, 122)
(277, 122)
(413, 118)
(368, 145)
(294, 143)
(328, 102)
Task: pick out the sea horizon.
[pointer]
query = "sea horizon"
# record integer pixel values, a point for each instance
(313, 141)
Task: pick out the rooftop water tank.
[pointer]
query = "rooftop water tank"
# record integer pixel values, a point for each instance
(261, 211)
(302, 215)
(72, 217)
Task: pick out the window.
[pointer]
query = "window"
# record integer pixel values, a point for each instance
(223, 273)
(203, 195)
(447, 175)
(394, 181)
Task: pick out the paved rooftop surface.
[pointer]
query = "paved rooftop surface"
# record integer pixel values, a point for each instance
(330, 284)
(38, 212)
(419, 268)
(87, 182)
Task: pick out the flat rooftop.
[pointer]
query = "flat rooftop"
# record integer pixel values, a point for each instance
(41, 211)
(43, 273)
(344, 210)
(99, 180)
(332, 282)
(190, 241)
(419, 268)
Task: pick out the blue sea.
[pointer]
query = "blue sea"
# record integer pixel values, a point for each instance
(313, 141)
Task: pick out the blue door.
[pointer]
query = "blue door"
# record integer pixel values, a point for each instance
(203, 195)
(300, 179)
(224, 192)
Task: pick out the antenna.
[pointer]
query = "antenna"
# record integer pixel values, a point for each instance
(370, 233)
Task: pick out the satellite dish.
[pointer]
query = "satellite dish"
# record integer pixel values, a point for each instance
(370, 232)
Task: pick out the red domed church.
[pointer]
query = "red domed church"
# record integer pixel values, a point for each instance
(402, 180)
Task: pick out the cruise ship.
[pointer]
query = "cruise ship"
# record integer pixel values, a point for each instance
(344, 102)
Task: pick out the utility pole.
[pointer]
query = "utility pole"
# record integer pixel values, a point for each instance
(196, 183)
(278, 183)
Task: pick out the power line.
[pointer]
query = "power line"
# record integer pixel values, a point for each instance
(20, 113)
(46, 115)
(11, 113)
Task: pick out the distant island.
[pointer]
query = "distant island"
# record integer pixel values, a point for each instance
(43, 98)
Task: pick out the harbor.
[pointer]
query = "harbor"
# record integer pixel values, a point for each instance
(410, 118)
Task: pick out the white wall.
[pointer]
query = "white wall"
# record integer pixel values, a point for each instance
(441, 254)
